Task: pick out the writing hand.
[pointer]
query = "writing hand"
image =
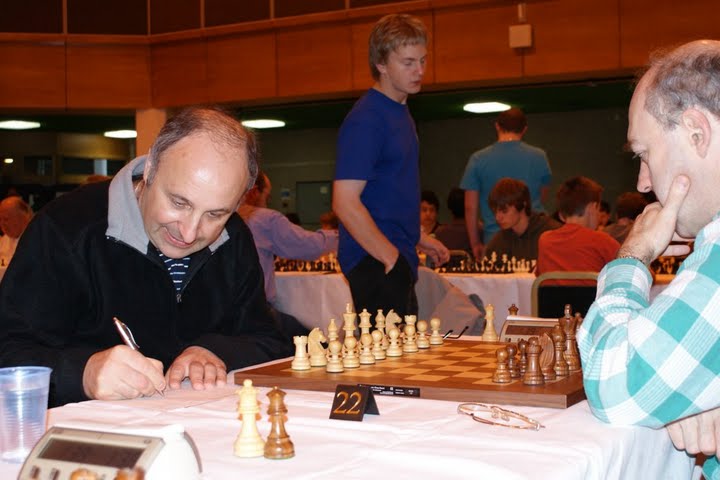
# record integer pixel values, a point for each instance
(121, 372)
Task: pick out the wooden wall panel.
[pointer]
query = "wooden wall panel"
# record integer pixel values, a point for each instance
(179, 74)
(571, 36)
(23, 16)
(108, 17)
(289, 8)
(32, 76)
(225, 12)
(314, 60)
(651, 24)
(174, 15)
(472, 44)
(108, 76)
(241, 67)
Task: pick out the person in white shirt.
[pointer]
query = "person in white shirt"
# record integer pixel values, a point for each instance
(15, 214)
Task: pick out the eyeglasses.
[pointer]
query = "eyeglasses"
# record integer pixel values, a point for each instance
(512, 419)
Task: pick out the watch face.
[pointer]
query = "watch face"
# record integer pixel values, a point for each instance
(91, 453)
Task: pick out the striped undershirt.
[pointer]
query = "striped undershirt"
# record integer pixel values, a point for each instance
(177, 268)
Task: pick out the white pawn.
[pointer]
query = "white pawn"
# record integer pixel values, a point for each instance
(409, 345)
(377, 348)
(365, 324)
(490, 335)
(366, 356)
(332, 330)
(394, 349)
(334, 363)
(350, 357)
(249, 443)
(435, 337)
(422, 339)
(301, 360)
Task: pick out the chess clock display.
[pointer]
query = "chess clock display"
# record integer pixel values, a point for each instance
(161, 452)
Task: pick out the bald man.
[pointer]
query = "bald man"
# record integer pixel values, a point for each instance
(657, 363)
(15, 214)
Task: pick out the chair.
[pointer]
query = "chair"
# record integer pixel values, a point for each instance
(549, 301)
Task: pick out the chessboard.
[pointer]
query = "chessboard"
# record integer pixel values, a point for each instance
(458, 370)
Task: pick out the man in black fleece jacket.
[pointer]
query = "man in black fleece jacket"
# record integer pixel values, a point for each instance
(161, 248)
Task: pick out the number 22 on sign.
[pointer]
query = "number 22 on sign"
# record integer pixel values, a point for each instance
(351, 402)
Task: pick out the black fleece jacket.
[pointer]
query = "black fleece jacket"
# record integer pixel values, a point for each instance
(68, 279)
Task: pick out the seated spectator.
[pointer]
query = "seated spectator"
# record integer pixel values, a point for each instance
(15, 214)
(627, 207)
(429, 206)
(274, 234)
(454, 234)
(520, 226)
(604, 217)
(577, 245)
(329, 221)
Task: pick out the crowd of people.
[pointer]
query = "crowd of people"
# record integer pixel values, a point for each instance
(180, 246)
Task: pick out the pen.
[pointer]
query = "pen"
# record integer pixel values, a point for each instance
(129, 340)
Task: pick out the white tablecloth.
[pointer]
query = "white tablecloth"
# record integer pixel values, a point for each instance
(314, 298)
(411, 439)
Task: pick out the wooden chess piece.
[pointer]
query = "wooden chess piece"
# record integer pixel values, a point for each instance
(365, 324)
(301, 360)
(349, 321)
(568, 323)
(490, 335)
(377, 348)
(513, 367)
(547, 357)
(391, 320)
(278, 444)
(318, 355)
(533, 375)
(248, 443)
(380, 325)
(522, 349)
(334, 362)
(332, 331)
(513, 309)
(422, 339)
(435, 337)
(136, 473)
(410, 343)
(366, 355)
(82, 474)
(394, 349)
(502, 374)
(350, 357)
(561, 366)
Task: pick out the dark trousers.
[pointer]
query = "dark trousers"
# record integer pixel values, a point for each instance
(372, 289)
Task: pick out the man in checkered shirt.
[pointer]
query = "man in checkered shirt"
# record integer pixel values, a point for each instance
(658, 364)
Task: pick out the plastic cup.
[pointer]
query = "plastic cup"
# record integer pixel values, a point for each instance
(23, 409)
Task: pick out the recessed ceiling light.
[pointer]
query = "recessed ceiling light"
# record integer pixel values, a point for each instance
(121, 134)
(18, 125)
(263, 123)
(8, 160)
(486, 107)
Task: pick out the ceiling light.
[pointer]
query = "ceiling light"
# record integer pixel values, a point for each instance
(486, 107)
(263, 123)
(18, 125)
(121, 134)
(8, 160)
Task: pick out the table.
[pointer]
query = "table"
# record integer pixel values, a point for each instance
(411, 439)
(315, 297)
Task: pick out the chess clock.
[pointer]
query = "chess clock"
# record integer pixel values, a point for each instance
(162, 451)
(518, 327)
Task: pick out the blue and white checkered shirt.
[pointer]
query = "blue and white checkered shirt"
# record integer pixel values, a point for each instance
(650, 364)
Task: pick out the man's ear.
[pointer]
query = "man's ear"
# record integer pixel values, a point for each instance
(697, 130)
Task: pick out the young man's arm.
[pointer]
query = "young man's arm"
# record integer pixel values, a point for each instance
(471, 222)
(358, 221)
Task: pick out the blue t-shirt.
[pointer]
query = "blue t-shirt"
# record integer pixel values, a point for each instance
(378, 143)
(514, 159)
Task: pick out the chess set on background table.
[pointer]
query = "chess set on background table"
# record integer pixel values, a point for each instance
(491, 264)
(429, 366)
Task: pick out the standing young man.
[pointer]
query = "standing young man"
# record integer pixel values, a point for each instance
(376, 193)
